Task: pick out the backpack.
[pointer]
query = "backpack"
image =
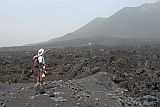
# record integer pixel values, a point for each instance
(35, 61)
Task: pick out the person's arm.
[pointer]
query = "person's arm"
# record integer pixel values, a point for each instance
(46, 51)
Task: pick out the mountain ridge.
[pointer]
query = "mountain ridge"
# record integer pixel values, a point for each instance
(142, 21)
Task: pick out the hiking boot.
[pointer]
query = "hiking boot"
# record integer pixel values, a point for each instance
(40, 89)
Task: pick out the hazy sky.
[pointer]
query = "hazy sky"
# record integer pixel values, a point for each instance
(31, 21)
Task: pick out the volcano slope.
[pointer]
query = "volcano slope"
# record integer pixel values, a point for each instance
(92, 75)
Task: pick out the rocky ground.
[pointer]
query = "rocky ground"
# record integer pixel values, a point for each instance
(117, 76)
(93, 91)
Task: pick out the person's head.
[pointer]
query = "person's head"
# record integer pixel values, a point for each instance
(40, 52)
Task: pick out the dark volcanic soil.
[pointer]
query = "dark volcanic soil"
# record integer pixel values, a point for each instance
(133, 71)
(93, 91)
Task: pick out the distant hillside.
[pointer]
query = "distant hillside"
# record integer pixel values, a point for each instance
(143, 21)
(129, 26)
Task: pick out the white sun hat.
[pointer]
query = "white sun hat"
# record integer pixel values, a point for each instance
(40, 52)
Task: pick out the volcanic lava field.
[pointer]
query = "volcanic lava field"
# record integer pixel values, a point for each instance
(86, 76)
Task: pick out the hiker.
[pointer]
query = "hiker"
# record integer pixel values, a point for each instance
(39, 68)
